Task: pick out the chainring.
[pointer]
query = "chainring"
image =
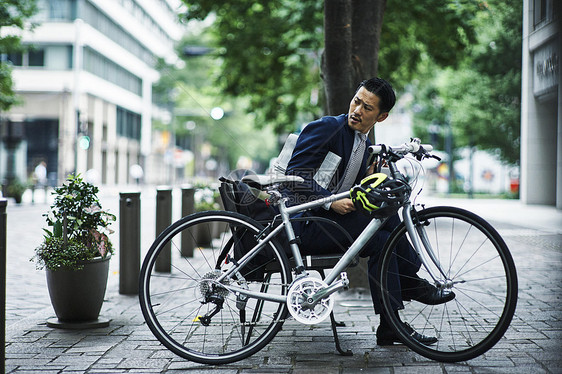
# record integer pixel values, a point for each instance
(298, 294)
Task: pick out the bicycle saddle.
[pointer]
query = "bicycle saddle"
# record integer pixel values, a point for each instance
(265, 180)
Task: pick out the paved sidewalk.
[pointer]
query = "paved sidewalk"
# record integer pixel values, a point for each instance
(532, 344)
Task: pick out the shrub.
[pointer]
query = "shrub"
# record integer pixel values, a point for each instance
(79, 228)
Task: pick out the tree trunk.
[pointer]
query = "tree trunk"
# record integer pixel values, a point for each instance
(365, 37)
(352, 32)
(337, 69)
(367, 21)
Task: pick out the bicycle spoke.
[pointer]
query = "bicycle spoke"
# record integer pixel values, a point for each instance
(480, 273)
(194, 314)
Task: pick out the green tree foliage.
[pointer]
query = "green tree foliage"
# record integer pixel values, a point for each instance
(481, 97)
(434, 32)
(13, 18)
(460, 57)
(270, 53)
(188, 89)
(271, 50)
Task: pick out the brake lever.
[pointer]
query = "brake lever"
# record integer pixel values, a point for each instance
(422, 153)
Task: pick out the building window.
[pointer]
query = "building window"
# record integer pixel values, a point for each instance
(55, 10)
(539, 11)
(51, 57)
(128, 124)
(33, 58)
(62, 9)
(106, 26)
(36, 57)
(544, 12)
(104, 68)
(15, 58)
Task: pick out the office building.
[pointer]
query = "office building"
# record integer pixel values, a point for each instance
(86, 84)
(541, 116)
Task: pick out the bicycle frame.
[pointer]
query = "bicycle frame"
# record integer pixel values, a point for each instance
(285, 213)
(417, 236)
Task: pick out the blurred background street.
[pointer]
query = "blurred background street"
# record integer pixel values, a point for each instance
(135, 94)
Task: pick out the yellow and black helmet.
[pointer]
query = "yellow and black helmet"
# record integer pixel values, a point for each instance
(379, 195)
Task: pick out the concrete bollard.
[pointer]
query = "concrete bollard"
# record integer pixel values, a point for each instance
(3, 237)
(129, 239)
(187, 208)
(163, 220)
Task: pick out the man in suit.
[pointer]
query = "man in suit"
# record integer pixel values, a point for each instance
(344, 138)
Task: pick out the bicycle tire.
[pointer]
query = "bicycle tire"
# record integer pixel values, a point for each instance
(478, 262)
(177, 303)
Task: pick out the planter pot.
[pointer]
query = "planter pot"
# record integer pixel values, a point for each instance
(77, 296)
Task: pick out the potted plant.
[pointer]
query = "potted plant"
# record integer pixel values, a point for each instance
(75, 253)
(16, 189)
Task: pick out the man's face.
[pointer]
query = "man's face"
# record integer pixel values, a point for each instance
(364, 111)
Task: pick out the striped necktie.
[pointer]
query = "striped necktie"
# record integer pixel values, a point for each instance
(354, 164)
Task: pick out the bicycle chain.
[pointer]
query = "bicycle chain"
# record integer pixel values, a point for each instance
(286, 285)
(250, 324)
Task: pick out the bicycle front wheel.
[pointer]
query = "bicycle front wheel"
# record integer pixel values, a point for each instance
(475, 264)
(190, 311)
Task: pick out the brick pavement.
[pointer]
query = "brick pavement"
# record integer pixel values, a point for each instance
(532, 344)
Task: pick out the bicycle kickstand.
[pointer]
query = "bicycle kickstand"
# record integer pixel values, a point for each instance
(337, 339)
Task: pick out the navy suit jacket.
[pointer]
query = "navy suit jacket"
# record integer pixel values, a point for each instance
(328, 134)
(333, 134)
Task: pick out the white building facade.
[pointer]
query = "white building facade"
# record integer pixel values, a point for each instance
(541, 113)
(86, 84)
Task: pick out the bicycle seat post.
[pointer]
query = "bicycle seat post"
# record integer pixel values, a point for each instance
(293, 240)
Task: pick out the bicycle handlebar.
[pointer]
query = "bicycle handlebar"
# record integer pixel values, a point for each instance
(411, 147)
(420, 151)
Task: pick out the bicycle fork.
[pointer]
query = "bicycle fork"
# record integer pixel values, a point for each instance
(422, 246)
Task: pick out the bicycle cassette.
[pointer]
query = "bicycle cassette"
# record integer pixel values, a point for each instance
(298, 300)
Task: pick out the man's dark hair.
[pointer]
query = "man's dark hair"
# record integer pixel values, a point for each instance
(383, 90)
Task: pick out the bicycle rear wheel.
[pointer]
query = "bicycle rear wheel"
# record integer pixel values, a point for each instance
(197, 317)
(480, 271)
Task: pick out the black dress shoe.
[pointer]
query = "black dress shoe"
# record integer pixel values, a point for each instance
(426, 293)
(387, 336)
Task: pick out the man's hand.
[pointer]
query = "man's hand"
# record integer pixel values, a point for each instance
(343, 206)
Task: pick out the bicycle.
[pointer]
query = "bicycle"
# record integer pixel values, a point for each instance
(223, 305)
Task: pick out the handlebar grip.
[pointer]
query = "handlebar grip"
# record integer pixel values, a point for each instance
(406, 147)
(375, 149)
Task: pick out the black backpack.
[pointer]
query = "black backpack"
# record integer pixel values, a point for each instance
(238, 197)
